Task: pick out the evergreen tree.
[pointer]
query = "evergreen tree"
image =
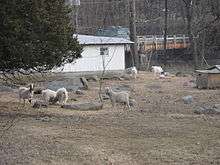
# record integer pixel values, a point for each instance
(36, 34)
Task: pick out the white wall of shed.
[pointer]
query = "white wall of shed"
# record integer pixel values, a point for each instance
(91, 59)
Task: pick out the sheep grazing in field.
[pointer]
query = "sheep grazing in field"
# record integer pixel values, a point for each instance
(62, 95)
(132, 71)
(118, 97)
(26, 93)
(50, 96)
(157, 70)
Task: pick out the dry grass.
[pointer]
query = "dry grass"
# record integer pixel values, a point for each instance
(162, 131)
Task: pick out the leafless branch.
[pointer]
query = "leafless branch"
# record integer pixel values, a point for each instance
(208, 25)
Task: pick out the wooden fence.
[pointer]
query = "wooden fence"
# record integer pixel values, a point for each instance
(153, 43)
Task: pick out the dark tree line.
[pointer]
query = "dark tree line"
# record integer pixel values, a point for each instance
(36, 34)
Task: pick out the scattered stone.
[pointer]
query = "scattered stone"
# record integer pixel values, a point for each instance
(126, 77)
(88, 106)
(79, 92)
(118, 78)
(167, 74)
(177, 116)
(187, 116)
(122, 87)
(45, 119)
(110, 77)
(217, 106)
(70, 84)
(39, 104)
(92, 78)
(105, 78)
(105, 97)
(121, 79)
(208, 110)
(187, 99)
(73, 99)
(180, 74)
(84, 83)
(5, 88)
(132, 103)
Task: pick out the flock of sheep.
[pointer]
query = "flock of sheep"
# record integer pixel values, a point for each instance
(61, 95)
(49, 96)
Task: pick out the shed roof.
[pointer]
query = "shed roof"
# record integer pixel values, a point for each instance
(97, 40)
(214, 70)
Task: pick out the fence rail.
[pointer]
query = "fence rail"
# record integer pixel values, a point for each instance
(152, 43)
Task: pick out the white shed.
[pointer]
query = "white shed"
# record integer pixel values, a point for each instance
(98, 51)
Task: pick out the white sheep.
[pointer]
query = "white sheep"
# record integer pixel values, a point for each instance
(62, 95)
(132, 71)
(26, 93)
(118, 97)
(50, 96)
(157, 70)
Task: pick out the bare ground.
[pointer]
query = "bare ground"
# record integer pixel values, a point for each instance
(163, 130)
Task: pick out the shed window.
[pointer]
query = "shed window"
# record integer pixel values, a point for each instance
(104, 51)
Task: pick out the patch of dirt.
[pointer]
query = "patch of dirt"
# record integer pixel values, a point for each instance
(163, 130)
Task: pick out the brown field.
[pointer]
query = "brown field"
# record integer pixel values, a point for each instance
(162, 130)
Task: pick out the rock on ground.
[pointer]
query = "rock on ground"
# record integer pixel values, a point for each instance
(79, 92)
(92, 78)
(5, 89)
(208, 110)
(132, 103)
(84, 106)
(187, 99)
(39, 104)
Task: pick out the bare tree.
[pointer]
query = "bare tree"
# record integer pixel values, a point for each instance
(201, 16)
(165, 29)
(105, 64)
(133, 35)
(189, 6)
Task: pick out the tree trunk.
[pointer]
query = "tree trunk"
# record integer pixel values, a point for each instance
(133, 35)
(203, 50)
(165, 32)
(189, 16)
